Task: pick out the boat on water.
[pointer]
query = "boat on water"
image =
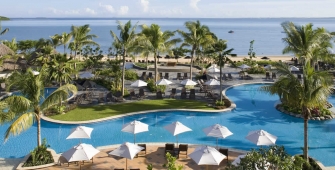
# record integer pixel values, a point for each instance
(231, 31)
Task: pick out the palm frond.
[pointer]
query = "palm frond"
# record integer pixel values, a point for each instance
(21, 124)
(62, 93)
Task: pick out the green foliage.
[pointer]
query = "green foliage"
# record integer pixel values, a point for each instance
(171, 163)
(2, 18)
(151, 85)
(39, 156)
(189, 87)
(272, 158)
(131, 75)
(219, 103)
(256, 70)
(251, 52)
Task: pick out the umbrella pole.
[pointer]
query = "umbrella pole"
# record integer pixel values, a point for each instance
(177, 140)
(217, 139)
(134, 138)
(126, 163)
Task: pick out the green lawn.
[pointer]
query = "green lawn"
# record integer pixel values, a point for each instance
(101, 111)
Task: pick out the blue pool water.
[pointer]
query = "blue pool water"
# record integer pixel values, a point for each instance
(254, 111)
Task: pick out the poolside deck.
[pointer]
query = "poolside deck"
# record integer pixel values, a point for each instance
(154, 156)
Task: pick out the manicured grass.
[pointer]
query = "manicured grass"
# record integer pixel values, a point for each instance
(101, 111)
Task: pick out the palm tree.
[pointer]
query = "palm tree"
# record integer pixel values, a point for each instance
(81, 38)
(3, 31)
(310, 93)
(155, 40)
(303, 41)
(65, 39)
(12, 45)
(59, 68)
(55, 40)
(220, 47)
(24, 110)
(197, 37)
(126, 40)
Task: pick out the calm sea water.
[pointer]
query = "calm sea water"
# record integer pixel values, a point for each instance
(266, 32)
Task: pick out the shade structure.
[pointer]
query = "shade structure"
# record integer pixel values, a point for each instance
(4, 50)
(86, 75)
(5, 75)
(265, 58)
(80, 132)
(126, 150)
(217, 131)
(205, 155)
(244, 66)
(188, 57)
(135, 127)
(188, 82)
(35, 72)
(261, 137)
(81, 152)
(164, 82)
(268, 67)
(293, 68)
(213, 70)
(212, 82)
(238, 160)
(176, 128)
(138, 83)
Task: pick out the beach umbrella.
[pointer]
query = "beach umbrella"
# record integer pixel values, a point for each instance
(213, 70)
(217, 131)
(138, 83)
(261, 137)
(5, 75)
(135, 127)
(89, 84)
(188, 57)
(244, 66)
(188, 82)
(80, 132)
(86, 75)
(212, 82)
(293, 68)
(205, 155)
(81, 152)
(176, 128)
(268, 67)
(163, 82)
(265, 58)
(126, 150)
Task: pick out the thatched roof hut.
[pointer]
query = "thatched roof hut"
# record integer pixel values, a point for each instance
(4, 50)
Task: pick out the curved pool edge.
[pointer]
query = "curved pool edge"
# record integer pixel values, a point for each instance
(232, 86)
(134, 113)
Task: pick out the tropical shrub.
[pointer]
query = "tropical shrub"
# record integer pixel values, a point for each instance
(162, 88)
(39, 156)
(130, 75)
(256, 70)
(151, 85)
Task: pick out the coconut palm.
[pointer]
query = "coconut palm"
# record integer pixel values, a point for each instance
(81, 37)
(24, 110)
(3, 31)
(155, 40)
(197, 36)
(125, 40)
(310, 93)
(65, 39)
(303, 41)
(55, 40)
(59, 68)
(12, 45)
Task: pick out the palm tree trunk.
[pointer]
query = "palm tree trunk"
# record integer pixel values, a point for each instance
(191, 64)
(38, 130)
(220, 62)
(305, 111)
(64, 48)
(123, 70)
(156, 68)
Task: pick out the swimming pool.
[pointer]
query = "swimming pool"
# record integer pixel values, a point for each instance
(254, 111)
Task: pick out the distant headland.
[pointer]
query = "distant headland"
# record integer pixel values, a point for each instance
(2, 18)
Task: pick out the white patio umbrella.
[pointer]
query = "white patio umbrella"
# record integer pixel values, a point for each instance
(244, 66)
(135, 127)
(86, 75)
(126, 150)
(138, 83)
(80, 132)
(261, 137)
(164, 82)
(294, 68)
(217, 131)
(212, 82)
(176, 128)
(213, 70)
(188, 82)
(268, 67)
(81, 152)
(35, 73)
(205, 155)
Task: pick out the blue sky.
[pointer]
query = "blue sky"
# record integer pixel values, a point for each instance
(168, 8)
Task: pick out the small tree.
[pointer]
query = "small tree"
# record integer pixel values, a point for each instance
(251, 52)
(170, 165)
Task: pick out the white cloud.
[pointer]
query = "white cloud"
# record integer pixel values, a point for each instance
(64, 12)
(145, 5)
(107, 8)
(123, 10)
(90, 11)
(194, 4)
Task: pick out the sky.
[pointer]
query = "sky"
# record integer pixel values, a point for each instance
(168, 8)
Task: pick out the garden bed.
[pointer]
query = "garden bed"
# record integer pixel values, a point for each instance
(282, 109)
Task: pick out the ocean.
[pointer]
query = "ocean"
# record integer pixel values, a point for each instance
(267, 32)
